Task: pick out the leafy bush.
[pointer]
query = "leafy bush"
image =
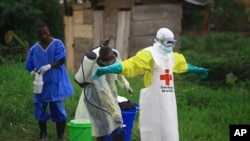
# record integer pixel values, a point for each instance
(223, 53)
(230, 15)
(226, 15)
(52, 14)
(22, 15)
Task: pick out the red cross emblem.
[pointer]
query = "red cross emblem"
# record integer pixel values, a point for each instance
(167, 77)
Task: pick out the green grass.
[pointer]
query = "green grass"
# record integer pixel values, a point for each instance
(204, 113)
(205, 108)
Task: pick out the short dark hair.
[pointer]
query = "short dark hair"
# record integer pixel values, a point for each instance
(41, 24)
(104, 51)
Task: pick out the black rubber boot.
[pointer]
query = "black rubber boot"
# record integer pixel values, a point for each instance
(43, 131)
(60, 127)
(118, 137)
(101, 138)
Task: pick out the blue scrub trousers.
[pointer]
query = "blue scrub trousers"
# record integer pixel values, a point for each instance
(57, 111)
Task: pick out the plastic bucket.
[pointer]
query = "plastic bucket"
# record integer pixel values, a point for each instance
(38, 87)
(80, 130)
(38, 83)
(128, 119)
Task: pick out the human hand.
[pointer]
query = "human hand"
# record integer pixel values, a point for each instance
(202, 72)
(115, 68)
(33, 73)
(100, 71)
(44, 68)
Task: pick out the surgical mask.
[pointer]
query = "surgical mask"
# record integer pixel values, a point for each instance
(165, 50)
(166, 47)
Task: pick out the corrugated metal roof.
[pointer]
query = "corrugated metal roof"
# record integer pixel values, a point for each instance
(199, 2)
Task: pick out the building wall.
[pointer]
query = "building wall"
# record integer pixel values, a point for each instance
(129, 27)
(147, 19)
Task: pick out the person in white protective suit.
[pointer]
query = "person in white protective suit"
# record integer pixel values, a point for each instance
(100, 95)
(157, 63)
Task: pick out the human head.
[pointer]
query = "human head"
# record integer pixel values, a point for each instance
(166, 38)
(165, 34)
(43, 32)
(106, 56)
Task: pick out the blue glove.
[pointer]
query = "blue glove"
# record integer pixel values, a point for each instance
(202, 72)
(115, 68)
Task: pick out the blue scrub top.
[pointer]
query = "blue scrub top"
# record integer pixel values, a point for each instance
(57, 85)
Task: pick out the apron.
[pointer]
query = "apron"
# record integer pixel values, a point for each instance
(81, 110)
(92, 106)
(158, 111)
(102, 122)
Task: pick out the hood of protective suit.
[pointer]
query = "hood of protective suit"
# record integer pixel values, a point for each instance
(165, 41)
(165, 34)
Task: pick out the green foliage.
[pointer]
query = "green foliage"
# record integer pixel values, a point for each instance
(231, 79)
(16, 101)
(22, 15)
(52, 14)
(230, 15)
(205, 114)
(223, 53)
(226, 15)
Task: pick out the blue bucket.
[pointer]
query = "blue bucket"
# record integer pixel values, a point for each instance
(128, 119)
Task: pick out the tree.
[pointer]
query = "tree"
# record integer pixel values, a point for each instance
(22, 15)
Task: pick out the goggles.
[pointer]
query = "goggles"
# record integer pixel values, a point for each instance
(167, 41)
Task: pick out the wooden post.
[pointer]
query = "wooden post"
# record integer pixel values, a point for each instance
(122, 34)
(68, 21)
(98, 28)
(206, 19)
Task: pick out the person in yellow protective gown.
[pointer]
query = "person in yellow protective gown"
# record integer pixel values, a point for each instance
(157, 63)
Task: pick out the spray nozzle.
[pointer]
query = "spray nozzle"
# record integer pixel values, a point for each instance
(105, 43)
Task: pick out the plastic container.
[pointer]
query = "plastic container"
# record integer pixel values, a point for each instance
(38, 84)
(80, 130)
(128, 119)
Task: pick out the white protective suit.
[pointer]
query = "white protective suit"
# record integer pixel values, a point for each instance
(98, 101)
